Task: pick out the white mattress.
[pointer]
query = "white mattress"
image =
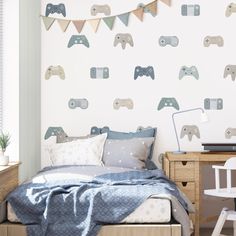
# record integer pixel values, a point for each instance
(153, 210)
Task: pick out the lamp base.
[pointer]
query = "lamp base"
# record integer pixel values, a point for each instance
(179, 152)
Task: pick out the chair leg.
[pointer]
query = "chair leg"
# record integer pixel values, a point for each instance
(220, 222)
(234, 223)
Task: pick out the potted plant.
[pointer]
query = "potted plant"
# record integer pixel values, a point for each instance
(4, 142)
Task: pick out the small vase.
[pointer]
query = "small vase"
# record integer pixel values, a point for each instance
(4, 160)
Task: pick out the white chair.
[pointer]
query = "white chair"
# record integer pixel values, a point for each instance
(229, 192)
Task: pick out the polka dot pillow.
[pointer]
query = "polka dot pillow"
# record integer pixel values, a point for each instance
(128, 153)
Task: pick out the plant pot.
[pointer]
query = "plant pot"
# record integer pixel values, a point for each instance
(4, 160)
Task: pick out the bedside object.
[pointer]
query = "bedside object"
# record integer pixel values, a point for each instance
(204, 118)
(8, 179)
(186, 171)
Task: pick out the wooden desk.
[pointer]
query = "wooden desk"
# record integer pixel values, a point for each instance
(185, 171)
(8, 179)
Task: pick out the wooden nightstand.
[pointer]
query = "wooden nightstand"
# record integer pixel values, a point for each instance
(185, 171)
(8, 179)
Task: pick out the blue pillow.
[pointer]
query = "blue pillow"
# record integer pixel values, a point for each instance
(146, 133)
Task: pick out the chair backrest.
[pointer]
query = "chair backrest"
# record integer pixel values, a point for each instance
(230, 165)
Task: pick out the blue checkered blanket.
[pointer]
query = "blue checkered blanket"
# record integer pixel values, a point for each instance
(78, 200)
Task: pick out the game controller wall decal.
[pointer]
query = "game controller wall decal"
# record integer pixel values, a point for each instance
(123, 39)
(100, 9)
(231, 8)
(127, 102)
(190, 131)
(213, 103)
(54, 131)
(78, 39)
(168, 40)
(217, 40)
(55, 71)
(52, 9)
(190, 10)
(144, 71)
(168, 102)
(230, 70)
(230, 132)
(99, 73)
(188, 71)
(78, 102)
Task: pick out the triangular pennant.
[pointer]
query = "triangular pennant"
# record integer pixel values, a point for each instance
(139, 13)
(94, 23)
(63, 24)
(48, 21)
(109, 21)
(79, 24)
(167, 2)
(152, 7)
(124, 18)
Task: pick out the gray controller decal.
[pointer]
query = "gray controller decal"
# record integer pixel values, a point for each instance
(118, 103)
(230, 132)
(144, 71)
(190, 131)
(168, 102)
(141, 128)
(168, 40)
(230, 70)
(99, 72)
(188, 71)
(146, 9)
(78, 39)
(52, 9)
(54, 131)
(79, 102)
(104, 9)
(231, 8)
(123, 39)
(96, 131)
(217, 40)
(190, 10)
(55, 70)
(213, 103)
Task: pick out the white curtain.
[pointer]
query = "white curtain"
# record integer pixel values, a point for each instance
(1, 63)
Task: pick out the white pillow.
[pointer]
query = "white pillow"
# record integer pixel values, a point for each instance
(79, 152)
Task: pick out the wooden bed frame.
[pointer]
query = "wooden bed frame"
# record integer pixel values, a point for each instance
(10, 229)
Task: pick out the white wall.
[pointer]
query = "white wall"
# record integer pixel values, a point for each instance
(145, 93)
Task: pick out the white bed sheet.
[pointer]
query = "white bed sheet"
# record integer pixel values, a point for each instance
(153, 210)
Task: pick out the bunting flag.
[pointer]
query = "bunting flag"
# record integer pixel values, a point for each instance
(79, 24)
(124, 18)
(94, 23)
(167, 2)
(139, 13)
(152, 7)
(63, 24)
(48, 22)
(109, 21)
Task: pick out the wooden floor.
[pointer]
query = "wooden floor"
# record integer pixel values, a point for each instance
(208, 232)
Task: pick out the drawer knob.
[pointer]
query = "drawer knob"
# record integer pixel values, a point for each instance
(184, 184)
(184, 163)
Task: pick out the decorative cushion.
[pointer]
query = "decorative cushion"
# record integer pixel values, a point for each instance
(127, 153)
(79, 152)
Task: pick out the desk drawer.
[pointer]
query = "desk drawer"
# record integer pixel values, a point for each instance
(188, 188)
(182, 171)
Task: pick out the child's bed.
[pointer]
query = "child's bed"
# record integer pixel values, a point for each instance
(99, 200)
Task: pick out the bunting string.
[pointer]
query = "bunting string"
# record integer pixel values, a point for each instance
(109, 21)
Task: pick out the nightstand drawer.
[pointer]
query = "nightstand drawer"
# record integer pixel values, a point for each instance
(188, 188)
(182, 171)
